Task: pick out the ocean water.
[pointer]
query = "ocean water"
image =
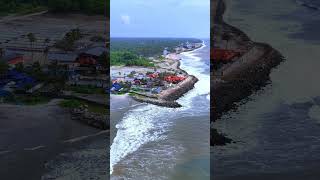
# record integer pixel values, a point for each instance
(153, 142)
(277, 130)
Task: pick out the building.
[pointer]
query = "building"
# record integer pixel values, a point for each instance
(223, 55)
(165, 52)
(89, 56)
(67, 59)
(12, 58)
(174, 79)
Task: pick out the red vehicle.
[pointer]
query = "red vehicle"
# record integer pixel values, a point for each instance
(174, 79)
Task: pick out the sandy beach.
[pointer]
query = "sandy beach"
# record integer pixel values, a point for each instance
(119, 105)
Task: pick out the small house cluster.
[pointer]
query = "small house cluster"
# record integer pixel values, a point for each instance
(221, 57)
(20, 62)
(144, 83)
(187, 46)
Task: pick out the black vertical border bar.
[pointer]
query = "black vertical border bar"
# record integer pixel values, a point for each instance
(107, 34)
(211, 89)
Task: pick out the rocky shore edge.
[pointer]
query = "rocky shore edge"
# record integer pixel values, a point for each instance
(242, 83)
(95, 120)
(168, 97)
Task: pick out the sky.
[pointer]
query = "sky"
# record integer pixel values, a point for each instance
(160, 18)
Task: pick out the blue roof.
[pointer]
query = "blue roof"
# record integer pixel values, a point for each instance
(116, 86)
(96, 51)
(63, 57)
(4, 93)
(21, 79)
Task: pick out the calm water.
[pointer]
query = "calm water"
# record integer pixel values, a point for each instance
(154, 142)
(278, 129)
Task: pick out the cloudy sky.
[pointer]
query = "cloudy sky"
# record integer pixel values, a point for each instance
(160, 18)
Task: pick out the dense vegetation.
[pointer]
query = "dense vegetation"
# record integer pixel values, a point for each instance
(29, 6)
(21, 6)
(69, 39)
(84, 89)
(87, 6)
(3, 67)
(147, 47)
(128, 59)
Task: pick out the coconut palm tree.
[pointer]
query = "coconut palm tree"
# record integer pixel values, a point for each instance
(1, 52)
(46, 48)
(226, 37)
(3, 68)
(32, 39)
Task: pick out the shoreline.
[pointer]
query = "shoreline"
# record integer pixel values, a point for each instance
(242, 79)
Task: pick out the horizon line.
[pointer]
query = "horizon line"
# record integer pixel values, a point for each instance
(159, 37)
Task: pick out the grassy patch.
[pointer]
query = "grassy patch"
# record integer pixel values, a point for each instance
(97, 108)
(128, 58)
(32, 100)
(71, 103)
(85, 89)
(75, 103)
(20, 9)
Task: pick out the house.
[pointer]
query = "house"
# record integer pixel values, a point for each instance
(223, 55)
(119, 78)
(116, 87)
(12, 58)
(153, 76)
(165, 52)
(174, 79)
(4, 94)
(156, 90)
(137, 82)
(19, 81)
(187, 45)
(89, 56)
(68, 59)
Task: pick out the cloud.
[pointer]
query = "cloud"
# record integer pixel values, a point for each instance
(125, 19)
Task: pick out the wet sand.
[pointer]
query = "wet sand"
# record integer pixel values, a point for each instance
(119, 105)
(32, 136)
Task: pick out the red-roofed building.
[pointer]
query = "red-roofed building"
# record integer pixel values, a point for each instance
(154, 75)
(13, 58)
(223, 55)
(174, 79)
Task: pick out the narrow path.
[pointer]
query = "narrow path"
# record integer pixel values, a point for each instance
(17, 17)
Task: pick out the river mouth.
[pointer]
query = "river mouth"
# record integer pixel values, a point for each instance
(276, 131)
(160, 142)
